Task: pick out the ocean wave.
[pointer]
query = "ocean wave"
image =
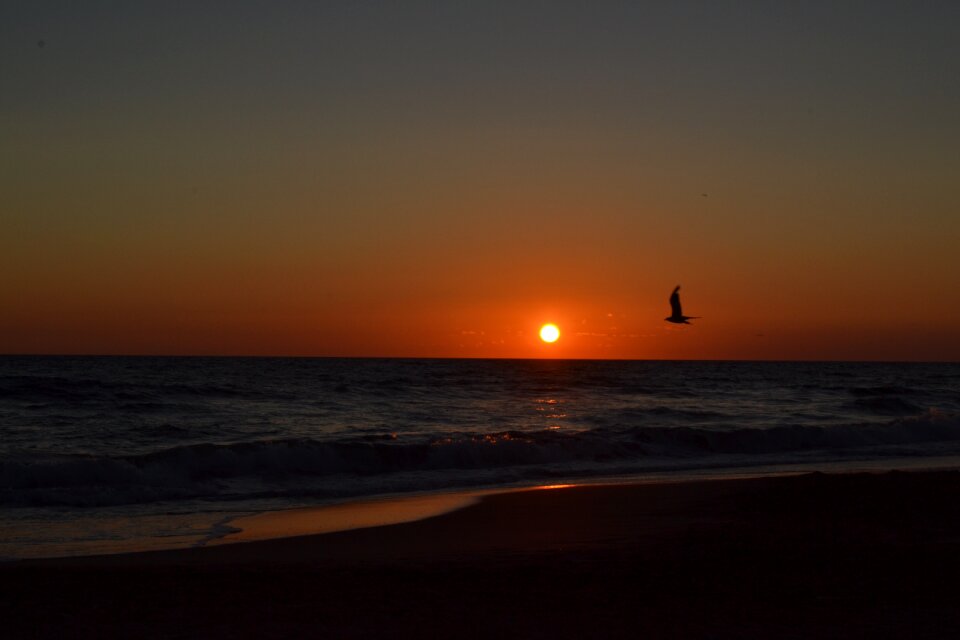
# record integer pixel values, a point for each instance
(882, 390)
(79, 390)
(204, 470)
(31, 388)
(886, 405)
(681, 413)
(929, 427)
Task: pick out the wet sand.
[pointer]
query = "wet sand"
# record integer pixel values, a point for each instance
(826, 556)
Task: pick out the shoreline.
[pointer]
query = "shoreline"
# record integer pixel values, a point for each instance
(346, 516)
(825, 555)
(377, 511)
(389, 509)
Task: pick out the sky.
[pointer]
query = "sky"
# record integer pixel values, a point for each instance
(439, 179)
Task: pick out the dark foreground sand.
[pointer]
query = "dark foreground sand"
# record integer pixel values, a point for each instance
(815, 556)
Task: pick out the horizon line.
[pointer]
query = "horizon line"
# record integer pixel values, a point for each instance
(479, 358)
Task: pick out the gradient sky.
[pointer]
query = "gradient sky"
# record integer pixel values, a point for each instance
(441, 178)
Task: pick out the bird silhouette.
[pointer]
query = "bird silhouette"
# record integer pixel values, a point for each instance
(676, 313)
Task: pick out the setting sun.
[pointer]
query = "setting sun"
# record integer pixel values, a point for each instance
(549, 333)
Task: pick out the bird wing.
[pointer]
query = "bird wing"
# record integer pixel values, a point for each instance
(675, 303)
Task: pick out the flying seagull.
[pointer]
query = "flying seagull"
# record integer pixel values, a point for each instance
(676, 314)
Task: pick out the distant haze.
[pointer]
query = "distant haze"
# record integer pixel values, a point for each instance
(441, 179)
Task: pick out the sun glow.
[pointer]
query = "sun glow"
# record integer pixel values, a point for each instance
(549, 333)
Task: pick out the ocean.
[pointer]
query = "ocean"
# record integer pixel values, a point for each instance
(112, 454)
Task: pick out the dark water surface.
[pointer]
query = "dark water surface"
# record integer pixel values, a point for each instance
(110, 453)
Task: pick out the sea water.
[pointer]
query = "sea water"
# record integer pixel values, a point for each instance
(107, 454)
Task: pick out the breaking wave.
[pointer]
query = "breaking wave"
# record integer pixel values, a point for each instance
(215, 471)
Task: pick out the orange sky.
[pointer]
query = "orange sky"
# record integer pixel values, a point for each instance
(440, 183)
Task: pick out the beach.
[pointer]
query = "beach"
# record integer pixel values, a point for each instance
(106, 455)
(813, 555)
(479, 320)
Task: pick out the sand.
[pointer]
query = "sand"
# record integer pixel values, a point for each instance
(825, 556)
